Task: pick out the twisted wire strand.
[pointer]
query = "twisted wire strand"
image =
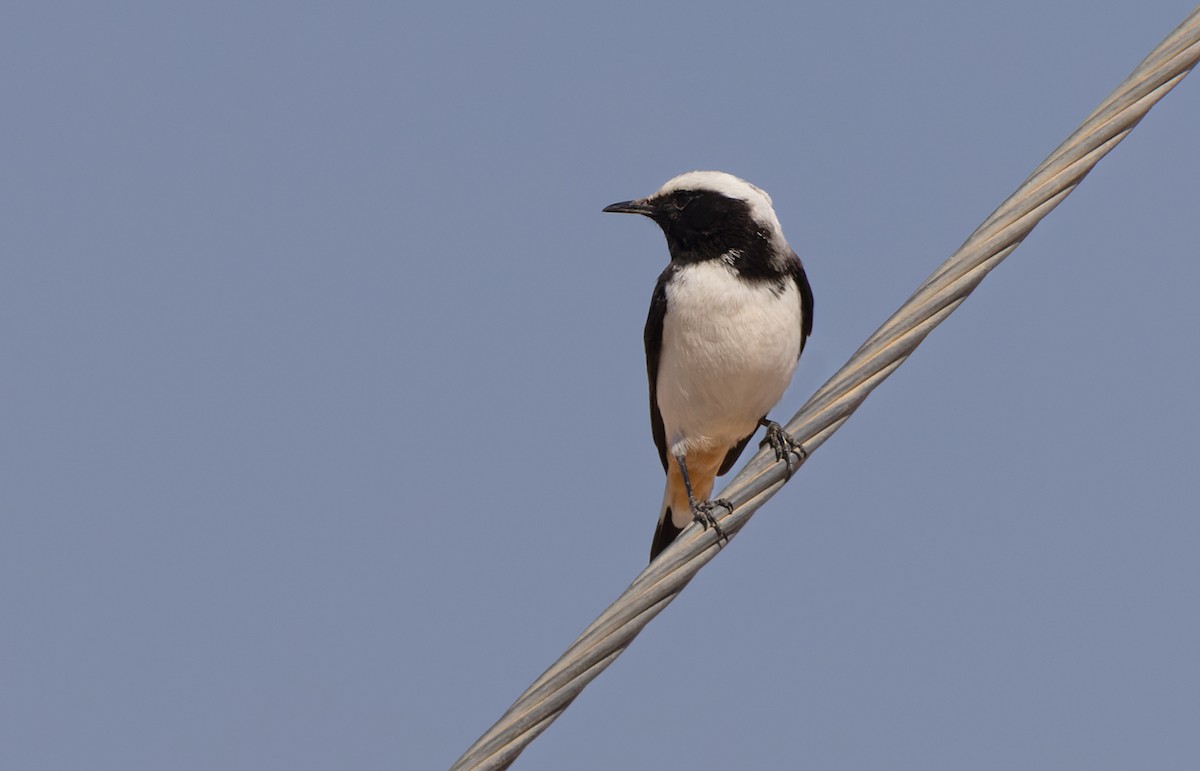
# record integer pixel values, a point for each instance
(834, 402)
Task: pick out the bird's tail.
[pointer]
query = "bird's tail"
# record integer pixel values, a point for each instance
(676, 511)
(667, 530)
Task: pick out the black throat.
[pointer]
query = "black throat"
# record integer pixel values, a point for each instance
(705, 225)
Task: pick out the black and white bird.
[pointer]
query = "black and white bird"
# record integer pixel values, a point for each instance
(728, 320)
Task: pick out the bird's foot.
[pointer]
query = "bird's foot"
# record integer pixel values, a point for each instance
(702, 512)
(783, 445)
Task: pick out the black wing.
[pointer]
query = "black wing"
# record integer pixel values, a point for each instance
(806, 301)
(653, 336)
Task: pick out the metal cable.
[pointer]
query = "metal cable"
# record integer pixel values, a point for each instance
(834, 402)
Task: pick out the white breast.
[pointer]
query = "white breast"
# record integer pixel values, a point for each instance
(728, 351)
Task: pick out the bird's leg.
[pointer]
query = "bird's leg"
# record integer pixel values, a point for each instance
(702, 510)
(783, 445)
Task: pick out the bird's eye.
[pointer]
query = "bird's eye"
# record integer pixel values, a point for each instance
(680, 200)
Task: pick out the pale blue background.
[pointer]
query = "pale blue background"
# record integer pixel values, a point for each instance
(322, 403)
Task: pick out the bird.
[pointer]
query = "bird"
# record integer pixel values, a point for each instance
(729, 318)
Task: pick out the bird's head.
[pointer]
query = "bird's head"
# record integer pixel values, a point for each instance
(708, 214)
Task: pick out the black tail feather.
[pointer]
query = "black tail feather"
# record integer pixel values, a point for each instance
(665, 534)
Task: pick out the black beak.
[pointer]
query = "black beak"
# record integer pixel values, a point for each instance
(632, 207)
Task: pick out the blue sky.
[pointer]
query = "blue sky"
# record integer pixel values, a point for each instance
(323, 420)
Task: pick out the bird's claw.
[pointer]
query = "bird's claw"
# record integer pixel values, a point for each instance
(702, 512)
(783, 445)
